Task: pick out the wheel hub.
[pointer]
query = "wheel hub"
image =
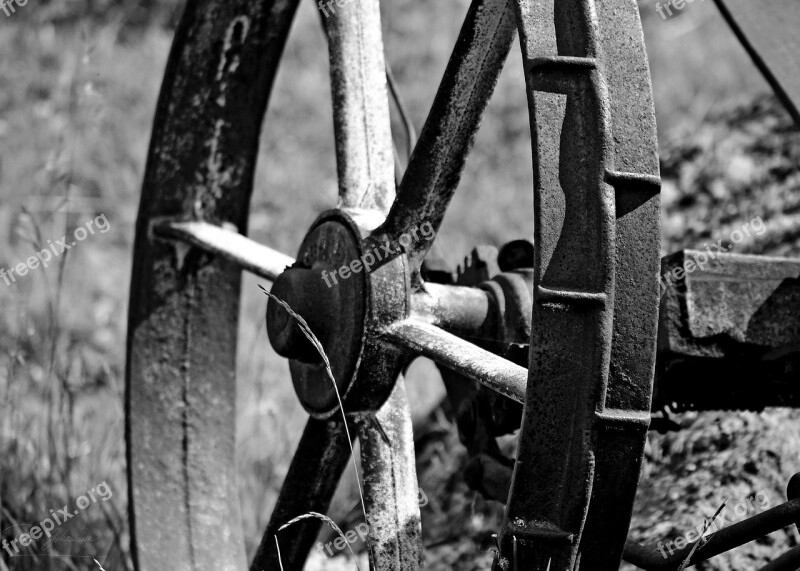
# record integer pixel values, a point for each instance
(329, 287)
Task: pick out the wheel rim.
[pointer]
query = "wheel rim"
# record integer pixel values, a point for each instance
(584, 447)
(184, 505)
(181, 352)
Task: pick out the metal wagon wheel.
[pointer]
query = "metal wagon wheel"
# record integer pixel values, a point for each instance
(595, 297)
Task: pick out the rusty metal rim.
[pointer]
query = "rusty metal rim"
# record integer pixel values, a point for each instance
(180, 409)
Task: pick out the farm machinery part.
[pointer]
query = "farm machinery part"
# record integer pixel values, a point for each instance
(590, 284)
(728, 339)
(728, 334)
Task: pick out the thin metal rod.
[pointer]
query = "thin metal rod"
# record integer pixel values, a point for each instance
(468, 312)
(411, 133)
(461, 356)
(723, 540)
(250, 255)
(789, 561)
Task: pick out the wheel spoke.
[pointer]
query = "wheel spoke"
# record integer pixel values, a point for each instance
(439, 156)
(250, 255)
(390, 485)
(318, 463)
(462, 357)
(364, 150)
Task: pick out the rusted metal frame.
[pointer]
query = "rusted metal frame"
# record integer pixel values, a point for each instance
(434, 171)
(725, 539)
(573, 288)
(181, 352)
(248, 254)
(364, 147)
(620, 442)
(461, 356)
(321, 456)
(390, 485)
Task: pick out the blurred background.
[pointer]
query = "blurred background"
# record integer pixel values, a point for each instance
(78, 86)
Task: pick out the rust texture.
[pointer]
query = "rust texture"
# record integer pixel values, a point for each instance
(180, 416)
(390, 485)
(621, 427)
(573, 288)
(586, 412)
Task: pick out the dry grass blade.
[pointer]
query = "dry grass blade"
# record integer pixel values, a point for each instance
(702, 541)
(327, 520)
(278, 547)
(313, 339)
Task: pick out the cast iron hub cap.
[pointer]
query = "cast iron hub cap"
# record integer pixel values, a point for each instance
(334, 302)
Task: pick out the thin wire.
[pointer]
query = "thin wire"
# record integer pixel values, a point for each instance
(411, 134)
